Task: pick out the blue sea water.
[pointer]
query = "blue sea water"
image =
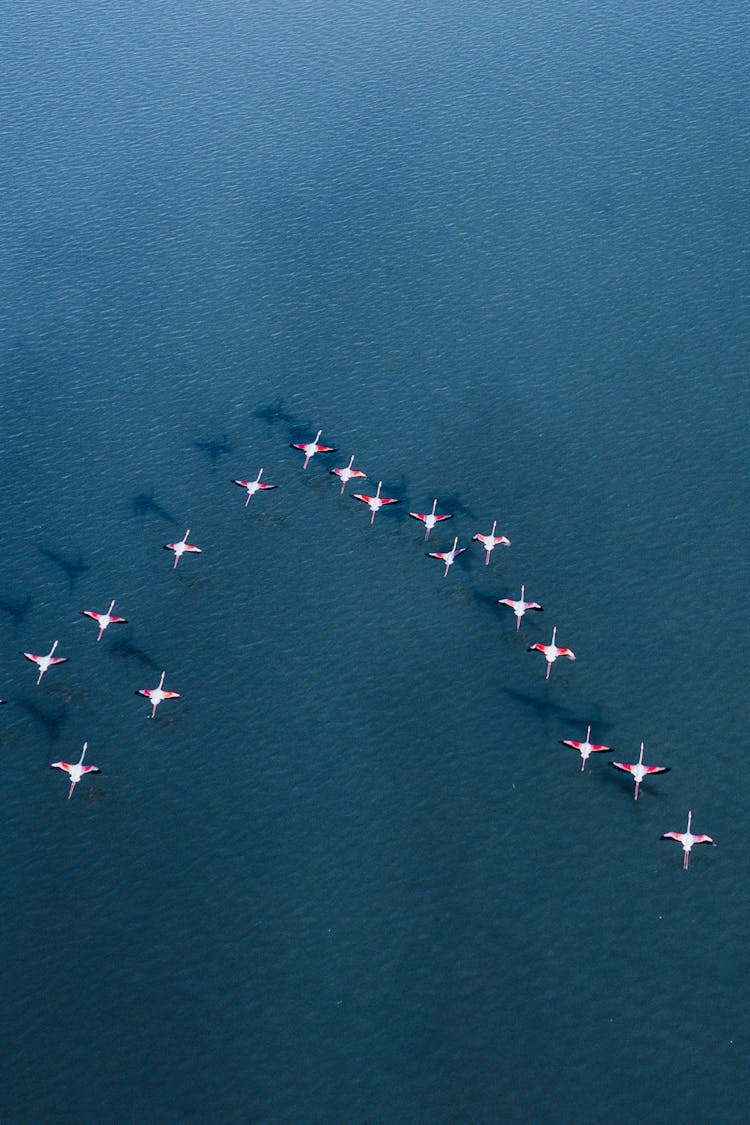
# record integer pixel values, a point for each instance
(500, 253)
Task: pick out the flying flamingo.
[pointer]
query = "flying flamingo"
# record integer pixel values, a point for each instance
(491, 541)
(585, 748)
(181, 547)
(104, 620)
(44, 662)
(310, 448)
(519, 607)
(551, 652)
(75, 772)
(638, 771)
(448, 557)
(348, 473)
(155, 695)
(687, 839)
(376, 502)
(430, 519)
(254, 486)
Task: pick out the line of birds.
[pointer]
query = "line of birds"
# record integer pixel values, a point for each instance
(551, 652)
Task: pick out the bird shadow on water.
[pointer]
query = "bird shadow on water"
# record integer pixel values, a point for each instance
(51, 718)
(144, 504)
(551, 709)
(125, 649)
(71, 568)
(274, 414)
(16, 609)
(214, 448)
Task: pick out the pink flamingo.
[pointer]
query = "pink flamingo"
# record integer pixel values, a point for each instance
(156, 695)
(104, 620)
(687, 839)
(551, 652)
(348, 473)
(448, 557)
(254, 486)
(430, 519)
(491, 541)
(376, 502)
(75, 772)
(181, 547)
(585, 748)
(310, 448)
(638, 771)
(45, 662)
(519, 607)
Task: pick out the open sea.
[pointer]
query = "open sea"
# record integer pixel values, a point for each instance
(499, 251)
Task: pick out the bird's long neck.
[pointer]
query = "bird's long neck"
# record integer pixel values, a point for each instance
(690, 817)
(260, 474)
(161, 681)
(554, 634)
(494, 525)
(380, 485)
(53, 647)
(111, 606)
(317, 436)
(640, 759)
(83, 753)
(434, 505)
(523, 592)
(186, 535)
(588, 732)
(351, 461)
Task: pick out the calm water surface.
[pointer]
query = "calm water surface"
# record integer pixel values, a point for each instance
(498, 252)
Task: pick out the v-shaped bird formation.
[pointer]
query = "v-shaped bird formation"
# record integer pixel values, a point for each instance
(430, 520)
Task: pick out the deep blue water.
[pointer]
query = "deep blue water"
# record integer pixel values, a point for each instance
(500, 253)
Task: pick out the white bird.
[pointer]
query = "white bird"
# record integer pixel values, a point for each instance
(491, 541)
(551, 652)
(585, 748)
(430, 519)
(44, 662)
(76, 771)
(638, 771)
(448, 557)
(156, 695)
(181, 547)
(104, 620)
(687, 839)
(376, 502)
(519, 607)
(310, 448)
(253, 486)
(348, 473)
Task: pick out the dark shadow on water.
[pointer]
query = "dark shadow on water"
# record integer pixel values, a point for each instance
(274, 414)
(126, 650)
(50, 717)
(214, 448)
(71, 568)
(545, 708)
(144, 505)
(16, 609)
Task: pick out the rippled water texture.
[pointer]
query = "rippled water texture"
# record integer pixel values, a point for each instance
(497, 252)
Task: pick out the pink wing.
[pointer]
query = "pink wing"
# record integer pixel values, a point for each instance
(538, 648)
(265, 487)
(388, 500)
(459, 551)
(144, 691)
(566, 652)
(567, 741)
(439, 519)
(657, 769)
(672, 836)
(169, 546)
(61, 766)
(624, 766)
(242, 483)
(506, 601)
(94, 616)
(30, 656)
(323, 449)
(91, 769)
(361, 496)
(59, 660)
(597, 749)
(294, 445)
(118, 620)
(703, 840)
(170, 695)
(193, 550)
(533, 605)
(436, 554)
(417, 516)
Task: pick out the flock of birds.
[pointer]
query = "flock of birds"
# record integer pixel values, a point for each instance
(551, 651)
